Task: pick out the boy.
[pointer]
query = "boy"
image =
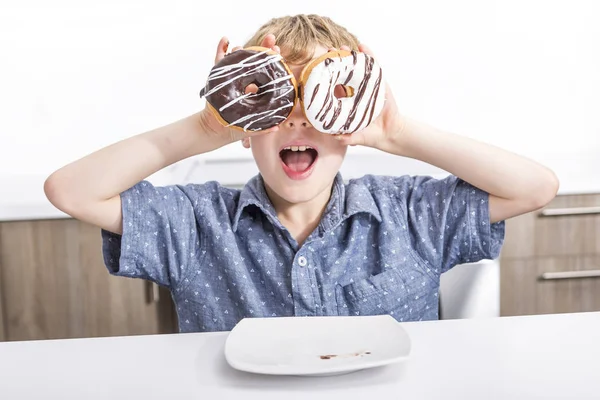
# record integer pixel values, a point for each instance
(299, 247)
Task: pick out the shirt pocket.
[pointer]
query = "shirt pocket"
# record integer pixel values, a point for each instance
(404, 296)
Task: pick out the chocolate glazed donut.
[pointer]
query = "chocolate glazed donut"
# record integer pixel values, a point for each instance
(228, 98)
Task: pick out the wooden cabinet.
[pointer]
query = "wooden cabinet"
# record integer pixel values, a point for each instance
(550, 262)
(53, 284)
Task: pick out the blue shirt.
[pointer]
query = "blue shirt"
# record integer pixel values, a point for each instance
(379, 248)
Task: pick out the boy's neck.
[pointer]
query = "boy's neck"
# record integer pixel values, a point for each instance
(300, 219)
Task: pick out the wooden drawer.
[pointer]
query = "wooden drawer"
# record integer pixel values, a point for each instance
(570, 225)
(549, 285)
(54, 285)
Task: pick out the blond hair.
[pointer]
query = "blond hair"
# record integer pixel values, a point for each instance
(298, 35)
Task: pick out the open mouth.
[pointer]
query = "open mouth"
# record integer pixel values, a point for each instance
(298, 160)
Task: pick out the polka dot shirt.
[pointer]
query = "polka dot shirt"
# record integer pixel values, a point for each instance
(380, 248)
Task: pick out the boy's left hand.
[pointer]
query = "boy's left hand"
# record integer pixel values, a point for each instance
(387, 126)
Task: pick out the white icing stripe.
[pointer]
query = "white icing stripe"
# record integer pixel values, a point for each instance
(274, 81)
(267, 61)
(268, 112)
(237, 99)
(291, 89)
(246, 95)
(216, 70)
(266, 116)
(233, 68)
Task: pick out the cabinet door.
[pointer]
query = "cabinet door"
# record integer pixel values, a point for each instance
(550, 285)
(54, 285)
(569, 225)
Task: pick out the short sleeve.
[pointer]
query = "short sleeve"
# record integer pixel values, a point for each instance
(448, 221)
(159, 235)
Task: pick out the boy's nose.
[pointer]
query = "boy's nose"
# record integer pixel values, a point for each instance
(294, 122)
(297, 119)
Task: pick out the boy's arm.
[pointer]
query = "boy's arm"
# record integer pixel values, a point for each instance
(516, 185)
(89, 189)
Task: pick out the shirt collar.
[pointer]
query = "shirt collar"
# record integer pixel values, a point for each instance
(254, 194)
(346, 200)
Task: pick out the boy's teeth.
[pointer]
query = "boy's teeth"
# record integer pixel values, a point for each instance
(297, 148)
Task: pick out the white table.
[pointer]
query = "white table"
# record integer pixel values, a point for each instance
(541, 357)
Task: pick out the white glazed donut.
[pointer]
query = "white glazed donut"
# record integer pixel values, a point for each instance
(359, 74)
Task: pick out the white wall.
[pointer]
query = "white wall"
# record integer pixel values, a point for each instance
(78, 75)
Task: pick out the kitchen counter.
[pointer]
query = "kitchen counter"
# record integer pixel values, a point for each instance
(23, 195)
(550, 356)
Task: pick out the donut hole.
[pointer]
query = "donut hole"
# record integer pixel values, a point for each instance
(342, 91)
(251, 89)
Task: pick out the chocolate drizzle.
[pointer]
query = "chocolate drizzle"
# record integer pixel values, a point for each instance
(360, 92)
(373, 96)
(327, 96)
(330, 96)
(336, 114)
(348, 78)
(227, 82)
(316, 89)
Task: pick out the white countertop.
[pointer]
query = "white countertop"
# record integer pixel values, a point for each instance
(23, 198)
(542, 357)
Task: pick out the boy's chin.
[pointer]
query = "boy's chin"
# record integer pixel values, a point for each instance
(302, 193)
(296, 195)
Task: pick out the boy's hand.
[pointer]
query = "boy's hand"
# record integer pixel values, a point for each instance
(382, 130)
(211, 125)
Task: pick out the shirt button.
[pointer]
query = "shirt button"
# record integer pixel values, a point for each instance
(302, 261)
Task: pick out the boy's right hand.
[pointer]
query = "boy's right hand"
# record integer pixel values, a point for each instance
(210, 123)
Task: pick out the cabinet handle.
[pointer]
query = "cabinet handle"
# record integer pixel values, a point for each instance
(152, 292)
(548, 276)
(563, 212)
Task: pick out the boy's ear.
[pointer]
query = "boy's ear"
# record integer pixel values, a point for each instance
(246, 142)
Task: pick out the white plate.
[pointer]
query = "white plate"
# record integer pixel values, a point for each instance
(315, 345)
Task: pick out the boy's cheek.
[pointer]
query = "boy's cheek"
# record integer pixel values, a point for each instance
(334, 144)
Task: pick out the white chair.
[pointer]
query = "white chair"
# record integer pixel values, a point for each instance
(471, 291)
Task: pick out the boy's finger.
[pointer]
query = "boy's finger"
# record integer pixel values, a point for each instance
(277, 49)
(365, 49)
(268, 41)
(344, 47)
(221, 49)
